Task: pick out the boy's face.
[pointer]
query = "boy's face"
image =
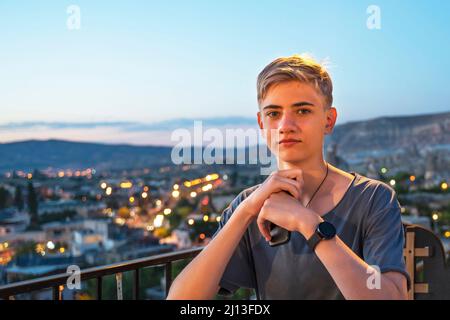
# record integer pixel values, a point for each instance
(296, 120)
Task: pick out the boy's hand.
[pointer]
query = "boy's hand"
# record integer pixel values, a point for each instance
(287, 212)
(290, 181)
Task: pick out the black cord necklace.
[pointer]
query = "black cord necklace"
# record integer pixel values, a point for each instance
(318, 188)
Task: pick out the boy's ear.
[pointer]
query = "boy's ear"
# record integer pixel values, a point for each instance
(331, 120)
(260, 123)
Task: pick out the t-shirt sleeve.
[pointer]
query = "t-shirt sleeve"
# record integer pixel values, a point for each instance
(239, 270)
(384, 234)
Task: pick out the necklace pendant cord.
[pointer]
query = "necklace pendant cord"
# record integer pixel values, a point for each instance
(317, 188)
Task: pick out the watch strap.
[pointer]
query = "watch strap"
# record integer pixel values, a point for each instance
(314, 240)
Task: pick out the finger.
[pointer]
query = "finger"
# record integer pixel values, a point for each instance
(296, 174)
(263, 227)
(289, 185)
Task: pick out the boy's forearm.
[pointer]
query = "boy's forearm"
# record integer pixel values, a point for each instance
(200, 279)
(351, 273)
(348, 270)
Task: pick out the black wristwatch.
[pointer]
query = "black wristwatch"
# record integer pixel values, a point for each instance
(324, 231)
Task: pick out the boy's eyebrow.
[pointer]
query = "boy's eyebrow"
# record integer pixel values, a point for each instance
(296, 104)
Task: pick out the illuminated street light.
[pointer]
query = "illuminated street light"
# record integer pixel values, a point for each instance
(167, 211)
(50, 245)
(193, 194)
(103, 185)
(175, 193)
(190, 222)
(158, 221)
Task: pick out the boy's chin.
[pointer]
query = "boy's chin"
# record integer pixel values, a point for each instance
(289, 157)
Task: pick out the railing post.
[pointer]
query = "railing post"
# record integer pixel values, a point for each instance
(119, 286)
(99, 288)
(57, 292)
(168, 272)
(136, 284)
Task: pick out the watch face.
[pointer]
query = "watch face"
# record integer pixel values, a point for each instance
(327, 230)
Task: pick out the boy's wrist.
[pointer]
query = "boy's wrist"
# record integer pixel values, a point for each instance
(308, 223)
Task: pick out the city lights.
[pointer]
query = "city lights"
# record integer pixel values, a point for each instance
(158, 221)
(126, 185)
(50, 245)
(191, 222)
(108, 191)
(175, 193)
(167, 211)
(103, 185)
(144, 195)
(193, 194)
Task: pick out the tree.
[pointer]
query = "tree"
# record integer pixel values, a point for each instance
(18, 198)
(33, 205)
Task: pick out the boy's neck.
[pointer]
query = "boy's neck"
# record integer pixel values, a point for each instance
(314, 171)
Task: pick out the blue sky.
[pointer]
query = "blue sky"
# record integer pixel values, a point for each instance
(150, 61)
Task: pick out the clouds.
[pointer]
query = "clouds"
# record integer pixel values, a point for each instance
(158, 133)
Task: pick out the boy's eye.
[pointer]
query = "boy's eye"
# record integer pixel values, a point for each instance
(304, 111)
(272, 114)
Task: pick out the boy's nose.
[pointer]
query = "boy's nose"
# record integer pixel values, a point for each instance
(286, 125)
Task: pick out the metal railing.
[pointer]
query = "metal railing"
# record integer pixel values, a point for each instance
(58, 281)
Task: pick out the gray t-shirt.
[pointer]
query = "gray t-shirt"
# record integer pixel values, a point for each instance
(367, 219)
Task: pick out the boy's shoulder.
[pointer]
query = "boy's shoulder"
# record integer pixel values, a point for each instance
(376, 192)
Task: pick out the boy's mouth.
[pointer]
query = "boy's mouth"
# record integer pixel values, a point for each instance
(289, 142)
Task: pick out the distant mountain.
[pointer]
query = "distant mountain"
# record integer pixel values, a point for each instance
(33, 154)
(377, 136)
(393, 133)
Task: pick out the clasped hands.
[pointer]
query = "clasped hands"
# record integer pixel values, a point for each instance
(277, 200)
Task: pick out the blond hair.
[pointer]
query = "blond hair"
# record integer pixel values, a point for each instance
(301, 68)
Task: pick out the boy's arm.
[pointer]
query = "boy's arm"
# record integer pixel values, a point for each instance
(348, 270)
(200, 279)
